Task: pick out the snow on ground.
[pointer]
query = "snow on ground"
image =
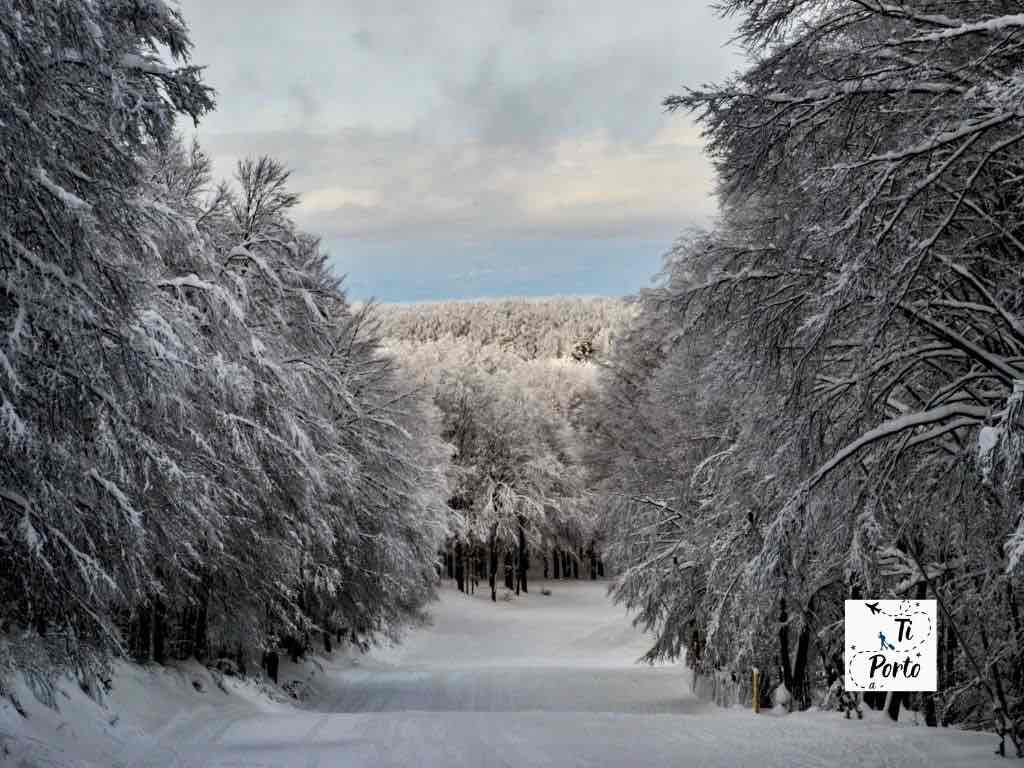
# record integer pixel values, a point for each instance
(148, 712)
(540, 681)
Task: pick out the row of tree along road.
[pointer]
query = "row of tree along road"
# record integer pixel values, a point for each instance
(823, 397)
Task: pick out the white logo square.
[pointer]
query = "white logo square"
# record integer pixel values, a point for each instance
(891, 645)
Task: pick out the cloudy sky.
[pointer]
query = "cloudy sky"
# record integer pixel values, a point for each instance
(467, 148)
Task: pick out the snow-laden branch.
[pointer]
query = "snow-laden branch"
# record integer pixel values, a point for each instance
(895, 427)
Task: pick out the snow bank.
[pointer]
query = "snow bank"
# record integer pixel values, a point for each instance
(147, 708)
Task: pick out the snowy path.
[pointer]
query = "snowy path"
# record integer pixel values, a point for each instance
(543, 681)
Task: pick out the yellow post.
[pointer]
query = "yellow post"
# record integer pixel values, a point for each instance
(756, 686)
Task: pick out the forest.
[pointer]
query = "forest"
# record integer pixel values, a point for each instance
(208, 451)
(513, 381)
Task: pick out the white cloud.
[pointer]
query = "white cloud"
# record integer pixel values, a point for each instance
(467, 122)
(360, 184)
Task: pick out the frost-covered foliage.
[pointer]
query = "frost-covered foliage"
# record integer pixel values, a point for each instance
(533, 329)
(201, 447)
(814, 378)
(82, 94)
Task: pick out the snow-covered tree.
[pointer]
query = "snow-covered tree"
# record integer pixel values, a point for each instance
(517, 478)
(857, 314)
(320, 466)
(202, 448)
(83, 93)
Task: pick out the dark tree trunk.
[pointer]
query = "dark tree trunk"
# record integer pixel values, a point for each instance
(460, 575)
(143, 634)
(271, 661)
(696, 648)
(566, 568)
(200, 641)
(901, 698)
(1018, 636)
(493, 563)
(951, 648)
(517, 573)
(508, 571)
(800, 692)
(524, 557)
(930, 718)
(600, 568)
(576, 564)
(159, 632)
(186, 629)
(875, 699)
(593, 565)
(831, 668)
(294, 647)
(545, 565)
(450, 562)
(895, 704)
(765, 701)
(556, 562)
(784, 661)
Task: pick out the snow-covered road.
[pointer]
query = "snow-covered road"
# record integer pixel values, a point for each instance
(541, 681)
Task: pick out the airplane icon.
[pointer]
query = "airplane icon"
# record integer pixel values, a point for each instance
(873, 607)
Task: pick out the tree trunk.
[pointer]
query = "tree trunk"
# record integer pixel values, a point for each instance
(800, 691)
(576, 564)
(517, 573)
(271, 662)
(143, 634)
(493, 562)
(524, 557)
(186, 628)
(784, 662)
(508, 571)
(159, 632)
(900, 699)
(894, 704)
(1018, 636)
(556, 562)
(460, 575)
(200, 641)
(930, 718)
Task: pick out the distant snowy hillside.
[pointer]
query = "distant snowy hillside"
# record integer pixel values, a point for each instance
(530, 328)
